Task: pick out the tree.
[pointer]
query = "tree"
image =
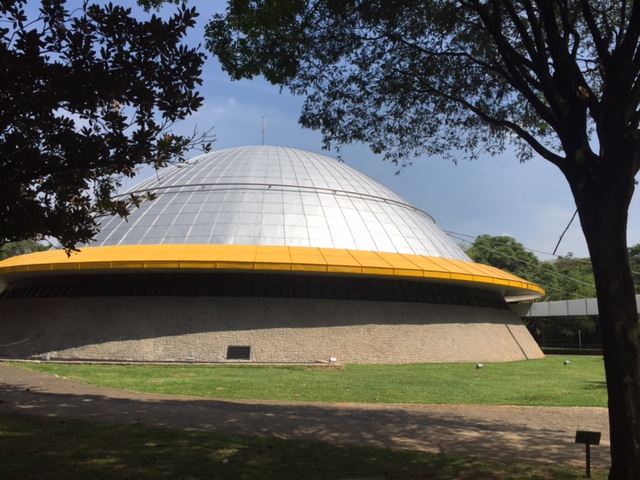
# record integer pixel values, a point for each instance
(634, 256)
(507, 254)
(565, 278)
(86, 97)
(20, 248)
(575, 278)
(558, 79)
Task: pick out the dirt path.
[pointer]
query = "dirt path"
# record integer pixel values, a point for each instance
(517, 433)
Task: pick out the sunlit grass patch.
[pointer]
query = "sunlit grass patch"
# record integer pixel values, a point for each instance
(544, 382)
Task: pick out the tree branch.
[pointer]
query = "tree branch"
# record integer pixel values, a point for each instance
(501, 123)
(602, 46)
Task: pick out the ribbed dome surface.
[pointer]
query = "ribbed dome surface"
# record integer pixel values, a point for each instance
(267, 195)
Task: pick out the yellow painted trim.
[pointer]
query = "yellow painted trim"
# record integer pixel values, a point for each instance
(268, 258)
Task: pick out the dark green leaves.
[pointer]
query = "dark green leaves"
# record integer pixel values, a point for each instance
(449, 78)
(85, 97)
(260, 38)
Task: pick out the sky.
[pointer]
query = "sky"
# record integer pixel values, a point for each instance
(493, 195)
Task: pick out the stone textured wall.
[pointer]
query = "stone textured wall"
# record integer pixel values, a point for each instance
(277, 330)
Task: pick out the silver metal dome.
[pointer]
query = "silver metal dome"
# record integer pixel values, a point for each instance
(267, 195)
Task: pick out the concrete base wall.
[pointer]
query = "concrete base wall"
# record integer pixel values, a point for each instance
(277, 330)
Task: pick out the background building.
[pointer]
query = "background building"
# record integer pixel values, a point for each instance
(264, 254)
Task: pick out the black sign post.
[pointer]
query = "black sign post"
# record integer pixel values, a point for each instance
(588, 438)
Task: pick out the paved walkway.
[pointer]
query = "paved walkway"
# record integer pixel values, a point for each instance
(514, 433)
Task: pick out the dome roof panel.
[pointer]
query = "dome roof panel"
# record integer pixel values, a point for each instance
(266, 195)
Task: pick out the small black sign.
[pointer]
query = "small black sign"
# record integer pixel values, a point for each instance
(588, 438)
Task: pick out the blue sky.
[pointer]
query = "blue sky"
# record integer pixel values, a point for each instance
(494, 195)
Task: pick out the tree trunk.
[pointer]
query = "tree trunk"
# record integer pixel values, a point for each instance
(603, 199)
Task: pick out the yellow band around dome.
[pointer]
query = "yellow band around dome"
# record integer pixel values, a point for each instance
(269, 259)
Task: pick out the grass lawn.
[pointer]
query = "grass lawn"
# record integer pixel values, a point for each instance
(545, 382)
(47, 449)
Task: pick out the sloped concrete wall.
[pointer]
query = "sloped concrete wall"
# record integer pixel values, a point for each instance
(277, 330)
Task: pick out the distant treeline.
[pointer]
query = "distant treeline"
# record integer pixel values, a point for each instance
(566, 278)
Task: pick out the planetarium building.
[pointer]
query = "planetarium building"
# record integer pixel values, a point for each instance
(268, 255)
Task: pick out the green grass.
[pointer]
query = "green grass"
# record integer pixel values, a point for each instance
(47, 449)
(545, 382)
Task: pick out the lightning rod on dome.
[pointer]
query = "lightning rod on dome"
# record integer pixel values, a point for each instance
(264, 122)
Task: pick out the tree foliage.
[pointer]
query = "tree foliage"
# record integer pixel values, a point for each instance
(410, 77)
(566, 278)
(634, 258)
(507, 254)
(157, 4)
(86, 96)
(22, 247)
(556, 78)
(575, 278)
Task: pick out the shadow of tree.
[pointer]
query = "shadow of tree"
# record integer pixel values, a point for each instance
(48, 448)
(494, 433)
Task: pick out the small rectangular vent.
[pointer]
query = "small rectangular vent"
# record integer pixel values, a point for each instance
(235, 352)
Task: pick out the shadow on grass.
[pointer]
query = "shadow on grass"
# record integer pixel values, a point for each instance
(443, 430)
(48, 449)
